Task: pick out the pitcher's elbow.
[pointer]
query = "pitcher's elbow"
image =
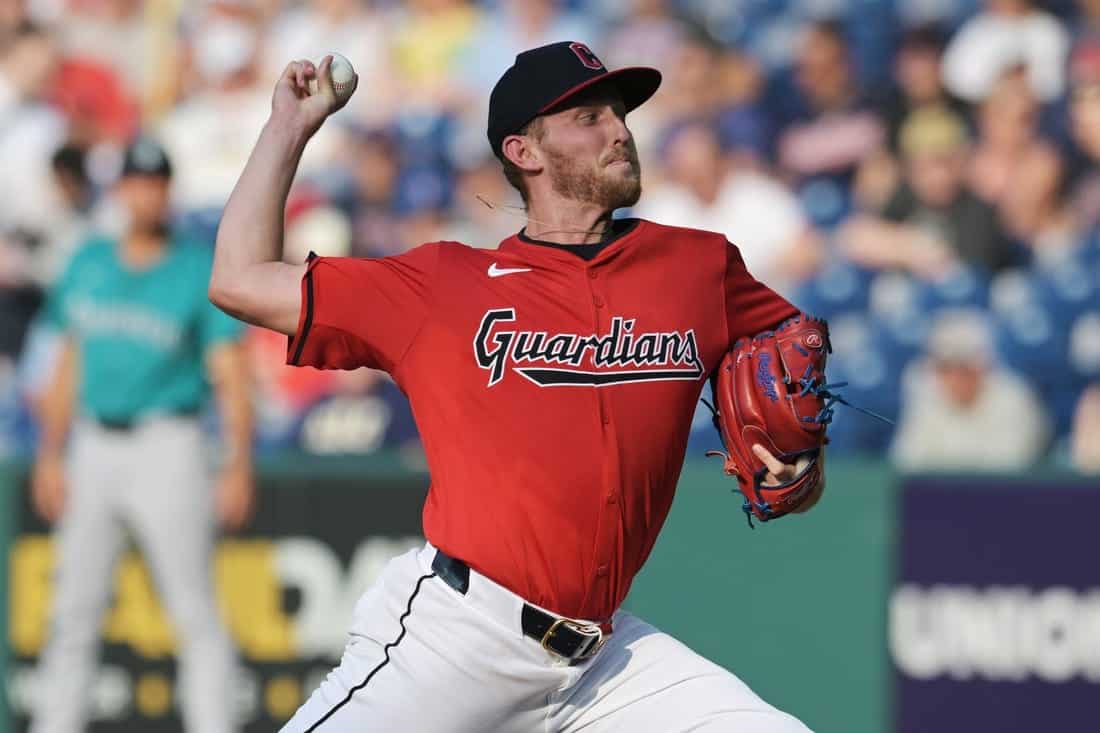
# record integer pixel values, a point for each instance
(220, 294)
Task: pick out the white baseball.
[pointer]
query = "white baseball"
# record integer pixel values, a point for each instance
(343, 78)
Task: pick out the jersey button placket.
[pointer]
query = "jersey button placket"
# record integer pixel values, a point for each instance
(601, 321)
(609, 515)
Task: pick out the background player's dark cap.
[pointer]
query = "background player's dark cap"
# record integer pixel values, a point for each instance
(146, 157)
(545, 77)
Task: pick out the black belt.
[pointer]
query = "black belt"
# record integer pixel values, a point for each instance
(569, 639)
(127, 424)
(116, 424)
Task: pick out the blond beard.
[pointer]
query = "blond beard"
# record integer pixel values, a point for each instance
(600, 187)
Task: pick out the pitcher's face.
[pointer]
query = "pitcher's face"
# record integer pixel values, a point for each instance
(590, 153)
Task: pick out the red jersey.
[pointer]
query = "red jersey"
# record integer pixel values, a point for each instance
(553, 395)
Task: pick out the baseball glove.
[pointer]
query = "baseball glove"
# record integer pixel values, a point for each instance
(770, 389)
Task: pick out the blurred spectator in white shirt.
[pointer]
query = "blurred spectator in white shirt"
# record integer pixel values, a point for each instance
(212, 131)
(114, 33)
(30, 131)
(1006, 34)
(754, 211)
(1085, 440)
(960, 410)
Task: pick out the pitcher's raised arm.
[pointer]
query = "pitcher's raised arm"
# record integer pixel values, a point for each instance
(249, 280)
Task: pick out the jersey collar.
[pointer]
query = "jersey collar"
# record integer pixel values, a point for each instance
(518, 244)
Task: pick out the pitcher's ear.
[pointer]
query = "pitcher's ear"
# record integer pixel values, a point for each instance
(522, 153)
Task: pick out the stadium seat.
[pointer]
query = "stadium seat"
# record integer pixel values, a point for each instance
(892, 294)
(840, 287)
(1012, 290)
(424, 137)
(1029, 341)
(1067, 289)
(825, 199)
(900, 340)
(1060, 401)
(964, 287)
(422, 188)
(1089, 252)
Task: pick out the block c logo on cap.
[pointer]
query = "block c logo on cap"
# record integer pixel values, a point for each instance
(584, 53)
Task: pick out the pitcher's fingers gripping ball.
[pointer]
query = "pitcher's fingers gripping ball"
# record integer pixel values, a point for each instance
(343, 77)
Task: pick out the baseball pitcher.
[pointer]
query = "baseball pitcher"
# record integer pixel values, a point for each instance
(553, 380)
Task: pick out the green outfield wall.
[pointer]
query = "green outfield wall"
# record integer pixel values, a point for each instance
(796, 608)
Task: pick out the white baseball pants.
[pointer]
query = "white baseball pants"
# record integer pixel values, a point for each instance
(423, 657)
(152, 481)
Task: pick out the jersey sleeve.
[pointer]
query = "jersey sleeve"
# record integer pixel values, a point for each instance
(751, 306)
(362, 312)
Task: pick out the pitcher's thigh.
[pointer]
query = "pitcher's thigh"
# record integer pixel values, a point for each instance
(332, 707)
(418, 660)
(645, 680)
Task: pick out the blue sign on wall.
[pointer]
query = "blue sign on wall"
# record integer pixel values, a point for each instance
(994, 624)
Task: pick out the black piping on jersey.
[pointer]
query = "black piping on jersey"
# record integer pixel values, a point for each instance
(386, 649)
(309, 313)
(570, 377)
(619, 228)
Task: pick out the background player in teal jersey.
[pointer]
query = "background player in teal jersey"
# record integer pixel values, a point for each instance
(121, 450)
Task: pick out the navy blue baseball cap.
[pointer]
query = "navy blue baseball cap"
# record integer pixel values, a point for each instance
(545, 77)
(146, 157)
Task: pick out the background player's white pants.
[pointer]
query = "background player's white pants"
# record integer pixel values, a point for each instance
(153, 482)
(422, 657)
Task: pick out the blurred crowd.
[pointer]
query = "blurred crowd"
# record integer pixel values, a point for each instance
(923, 173)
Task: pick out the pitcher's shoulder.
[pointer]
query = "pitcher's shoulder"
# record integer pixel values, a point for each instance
(684, 235)
(686, 241)
(451, 253)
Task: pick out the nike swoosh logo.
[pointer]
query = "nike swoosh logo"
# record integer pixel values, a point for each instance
(495, 271)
